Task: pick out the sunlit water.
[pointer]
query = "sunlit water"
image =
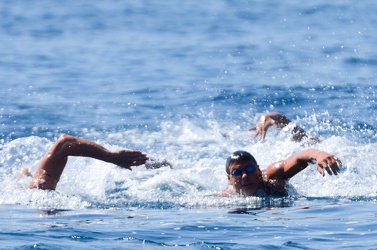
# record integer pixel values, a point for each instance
(184, 82)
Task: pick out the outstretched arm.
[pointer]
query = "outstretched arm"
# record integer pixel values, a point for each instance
(283, 170)
(278, 121)
(53, 163)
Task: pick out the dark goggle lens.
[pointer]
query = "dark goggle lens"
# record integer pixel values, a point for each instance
(248, 169)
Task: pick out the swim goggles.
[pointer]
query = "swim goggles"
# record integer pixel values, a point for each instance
(238, 172)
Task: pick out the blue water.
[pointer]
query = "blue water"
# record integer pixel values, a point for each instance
(183, 81)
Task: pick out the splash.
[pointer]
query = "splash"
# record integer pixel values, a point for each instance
(198, 153)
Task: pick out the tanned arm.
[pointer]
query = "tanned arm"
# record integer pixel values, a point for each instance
(278, 121)
(53, 163)
(284, 170)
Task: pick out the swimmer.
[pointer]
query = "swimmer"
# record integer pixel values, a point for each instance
(53, 163)
(246, 178)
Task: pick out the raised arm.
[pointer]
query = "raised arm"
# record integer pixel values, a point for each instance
(278, 121)
(283, 170)
(53, 163)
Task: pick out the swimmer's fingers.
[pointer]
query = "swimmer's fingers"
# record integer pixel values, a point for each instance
(154, 164)
(334, 164)
(320, 169)
(331, 165)
(338, 161)
(323, 165)
(253, 128)
(261, 133)
(257, 133)
(335, 168)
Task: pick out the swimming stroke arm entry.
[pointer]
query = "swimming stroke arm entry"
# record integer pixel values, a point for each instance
(53, 163)
(278, 121)
(283, 170)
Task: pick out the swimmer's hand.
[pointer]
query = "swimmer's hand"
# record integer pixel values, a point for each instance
(267, 120)
(328, 162)
(127, 158)
(153, 164)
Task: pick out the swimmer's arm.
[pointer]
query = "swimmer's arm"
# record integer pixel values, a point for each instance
(283, 170)
(53, 163)
(278, 121)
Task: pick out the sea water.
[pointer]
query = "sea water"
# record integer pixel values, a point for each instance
(183, 81)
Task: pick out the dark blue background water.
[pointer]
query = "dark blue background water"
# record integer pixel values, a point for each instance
(184, 81)
(110, 65)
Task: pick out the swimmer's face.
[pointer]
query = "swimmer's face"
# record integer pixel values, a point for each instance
(244, 176)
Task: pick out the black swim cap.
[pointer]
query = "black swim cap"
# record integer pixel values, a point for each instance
(239, 155)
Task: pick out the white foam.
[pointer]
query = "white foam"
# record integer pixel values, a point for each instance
(198, 176)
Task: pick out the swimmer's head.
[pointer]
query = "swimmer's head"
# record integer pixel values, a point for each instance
(238, 156)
